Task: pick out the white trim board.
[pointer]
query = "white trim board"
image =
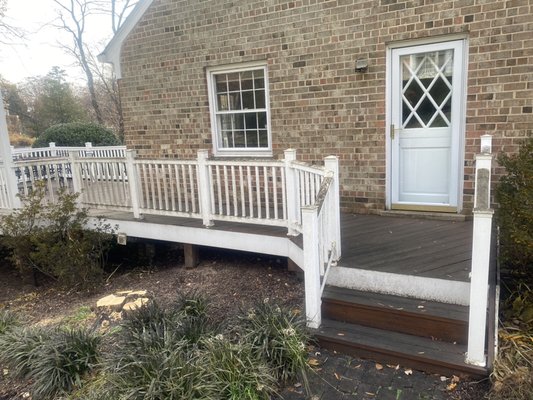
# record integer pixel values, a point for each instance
(432, 289)
(111, 53)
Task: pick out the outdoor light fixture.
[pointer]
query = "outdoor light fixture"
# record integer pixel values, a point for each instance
(361, 65)
(486, 144)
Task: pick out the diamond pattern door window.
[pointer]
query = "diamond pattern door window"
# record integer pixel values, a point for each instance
(427, 89)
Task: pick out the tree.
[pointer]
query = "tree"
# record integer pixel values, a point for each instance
(8, 32)
(52, 101)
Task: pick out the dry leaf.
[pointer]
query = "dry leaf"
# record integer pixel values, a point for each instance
(443, 379)
(421, 352)
(313, 362)
(370, 394)
(340, 334)
(420, 306)
(408, 372)
(337, 376)
(455, 379)
(358, 366)
(297, 384)
(379, 367)
(451, 386)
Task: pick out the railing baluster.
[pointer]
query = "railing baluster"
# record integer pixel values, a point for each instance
(219, 192)
(250, 193)
(234, 189)
(258, 190)
(165, 185)
(171, 182)
(146, 187)
(158, 185)
(185, 187)
(212, 188)
(275, 192)
(283, 193)
(191, 185)
(267, 200)
(226, 190)
(178, 186)
(241, 186)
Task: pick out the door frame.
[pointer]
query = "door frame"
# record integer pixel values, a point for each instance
(462, 119)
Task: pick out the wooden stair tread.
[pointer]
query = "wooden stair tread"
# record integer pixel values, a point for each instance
(393, 347)
(422, 308)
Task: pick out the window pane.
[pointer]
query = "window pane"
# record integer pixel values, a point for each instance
(234, 101)
(263, 138)
(238, 121)
(251, 138)
(248, 100)
(239, 139)
(259, 99)
(247, 80)
(227, 139)
(222, 102)
(251, 121)
(221, 83)
(262, 120)
(224, 122)
(233, 82)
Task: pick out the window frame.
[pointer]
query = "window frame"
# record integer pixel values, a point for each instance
(218, 149)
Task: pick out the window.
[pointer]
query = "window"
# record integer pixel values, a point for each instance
(238, 99)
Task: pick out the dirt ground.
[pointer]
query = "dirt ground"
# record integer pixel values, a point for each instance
(232, 281)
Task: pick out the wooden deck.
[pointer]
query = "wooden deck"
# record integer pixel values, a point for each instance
(407, 246)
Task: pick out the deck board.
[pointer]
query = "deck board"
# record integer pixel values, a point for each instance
(420, 247)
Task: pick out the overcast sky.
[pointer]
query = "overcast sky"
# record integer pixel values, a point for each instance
(40, 52)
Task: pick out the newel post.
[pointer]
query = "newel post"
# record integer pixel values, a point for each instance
(133, 182)
(76, 177)
(311, 247)
(204, 187)
(332, 164)
(482, 233)
(52, 147)
(7, 158)
(293, 198)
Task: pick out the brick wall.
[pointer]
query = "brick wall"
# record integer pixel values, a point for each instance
(319, 104)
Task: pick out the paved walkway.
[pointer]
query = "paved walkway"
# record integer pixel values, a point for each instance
(342, 377)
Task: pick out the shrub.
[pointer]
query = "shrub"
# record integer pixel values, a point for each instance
(77, 134)
(237, 373)
(54, 361)
(279, 336)
(515, 216)
(8, 321)
(51, 238)
(20, 140)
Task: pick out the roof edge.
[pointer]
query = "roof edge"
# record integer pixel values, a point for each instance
(111, 53)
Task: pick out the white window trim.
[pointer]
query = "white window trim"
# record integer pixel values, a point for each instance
(218, 150)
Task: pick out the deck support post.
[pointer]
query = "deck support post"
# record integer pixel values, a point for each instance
(334, 219)
(293, 199)
(481, 242)
(191, 255)
(133, 183)
(204, 188)
(7, 158)
(311, 248)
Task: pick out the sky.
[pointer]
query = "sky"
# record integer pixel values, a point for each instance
(40, 51)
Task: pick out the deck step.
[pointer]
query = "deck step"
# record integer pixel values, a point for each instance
(395, 348)
(428, 319)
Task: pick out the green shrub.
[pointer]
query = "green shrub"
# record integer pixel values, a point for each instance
(51, 238)
(279, 336)
(514, 194)
(77, 134)
(54, 361)
(237, 373)
(8, 321)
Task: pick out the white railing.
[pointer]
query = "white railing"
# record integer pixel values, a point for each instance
(4, 188)
(481, 246)
(303, 198)
(64, 151)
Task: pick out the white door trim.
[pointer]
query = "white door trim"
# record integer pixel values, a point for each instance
(459, 138)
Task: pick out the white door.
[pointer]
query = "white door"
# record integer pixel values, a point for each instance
(425, 131)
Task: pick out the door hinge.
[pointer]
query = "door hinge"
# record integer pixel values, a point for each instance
(392, 131)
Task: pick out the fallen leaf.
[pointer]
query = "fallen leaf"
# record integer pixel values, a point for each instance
(443, 379)
(313, 362)
(370, 394)
(455, 379)
(408, 372)
(340, 334)
(421, 352)
(297, 384)
(379, 367)
(451, 386)
(420, 306)
(337, 376)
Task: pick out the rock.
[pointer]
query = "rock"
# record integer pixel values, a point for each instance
(112, 301)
